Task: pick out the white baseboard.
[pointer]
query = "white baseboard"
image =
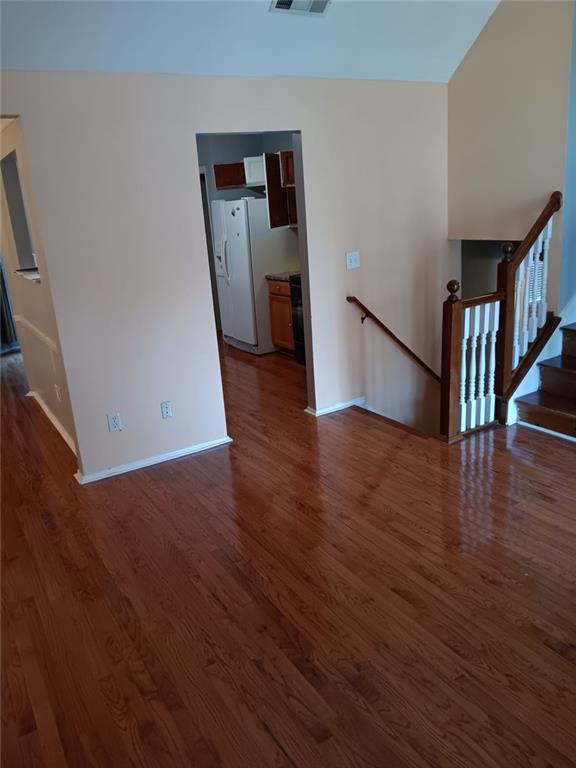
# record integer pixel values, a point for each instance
(141, 463)
(359, 401)
(56, 423)
(561, 435)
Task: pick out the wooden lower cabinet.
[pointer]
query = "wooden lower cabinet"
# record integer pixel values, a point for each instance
(281, 318)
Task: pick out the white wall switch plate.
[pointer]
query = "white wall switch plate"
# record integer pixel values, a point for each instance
(114, 422)
(352, 259)
(166, 408)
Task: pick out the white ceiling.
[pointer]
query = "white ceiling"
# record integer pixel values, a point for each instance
(401, 40)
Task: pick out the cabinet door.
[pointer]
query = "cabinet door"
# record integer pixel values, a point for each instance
(292, 209)
(287, 168)
(278, 215)
(229, 175)
(254, 171)
(281, 321)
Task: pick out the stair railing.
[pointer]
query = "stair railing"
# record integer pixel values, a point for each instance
(368, 314)
(490, 342)
(470, 331)
(523, 277)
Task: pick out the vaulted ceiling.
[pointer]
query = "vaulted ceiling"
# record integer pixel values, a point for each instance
(400, 40)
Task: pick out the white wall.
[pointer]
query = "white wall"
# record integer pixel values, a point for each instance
(419, 41)
(507, 128)
(113, 164)
(32, 302)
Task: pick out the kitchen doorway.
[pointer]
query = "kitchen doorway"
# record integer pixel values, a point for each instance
(255, 223)
(9, 336)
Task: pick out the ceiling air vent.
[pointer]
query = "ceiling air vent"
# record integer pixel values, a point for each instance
(308, 7)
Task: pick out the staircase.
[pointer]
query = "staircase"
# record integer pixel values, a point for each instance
(490, 343)
(553, 406)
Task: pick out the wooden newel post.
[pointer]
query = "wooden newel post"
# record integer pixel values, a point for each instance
(505, 340)
(451, 363)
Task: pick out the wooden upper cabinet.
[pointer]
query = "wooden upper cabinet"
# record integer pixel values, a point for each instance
(281, 199)
(278, 214)
(287, 168)
(292, 209)
(229, 175)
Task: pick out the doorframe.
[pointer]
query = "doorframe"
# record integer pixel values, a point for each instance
(304, 266)
(207, 219)
(7, 301)
(302, 243)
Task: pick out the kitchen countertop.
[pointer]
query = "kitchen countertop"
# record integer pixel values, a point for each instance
(283, 277)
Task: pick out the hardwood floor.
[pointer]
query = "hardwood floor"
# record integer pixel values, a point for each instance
(322, 593)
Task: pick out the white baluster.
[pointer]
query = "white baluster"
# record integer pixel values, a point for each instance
(543, 306)
(474, 329)
(538, 281)
(524, 306)
(518, 299)
(534, 260)
(483, 311)
(463, 352)
(493, 322)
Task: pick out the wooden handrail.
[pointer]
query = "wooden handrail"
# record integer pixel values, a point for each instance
(469, 332)
(532, 355)
(485, 299)
(506, 283)
(383, 327)
(514, 258)
(490, 342)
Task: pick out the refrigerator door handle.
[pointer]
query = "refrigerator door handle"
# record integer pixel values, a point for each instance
(226, 270)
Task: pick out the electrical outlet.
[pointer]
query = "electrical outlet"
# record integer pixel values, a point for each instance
(166, 408)
(352, 259)
(114, 422)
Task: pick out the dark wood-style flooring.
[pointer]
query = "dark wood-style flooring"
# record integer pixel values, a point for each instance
(322, 593)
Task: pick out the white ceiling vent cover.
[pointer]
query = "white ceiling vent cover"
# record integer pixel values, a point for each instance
(307, 7)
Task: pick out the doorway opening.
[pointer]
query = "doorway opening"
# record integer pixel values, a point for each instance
(17, 214)
(9, 336)
(255, 223)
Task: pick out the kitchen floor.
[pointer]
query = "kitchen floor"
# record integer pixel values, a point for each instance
(321, 593)
(272, 378)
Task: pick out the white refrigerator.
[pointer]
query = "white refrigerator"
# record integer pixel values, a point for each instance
(245, 251)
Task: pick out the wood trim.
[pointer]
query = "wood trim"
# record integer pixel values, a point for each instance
(534, 351)
(383, 327)
(552, 206)
(505, 339)
(451, 359)
(278, 212)
(506, 283)
(292, 207)
(486, 299)
(287, 168)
